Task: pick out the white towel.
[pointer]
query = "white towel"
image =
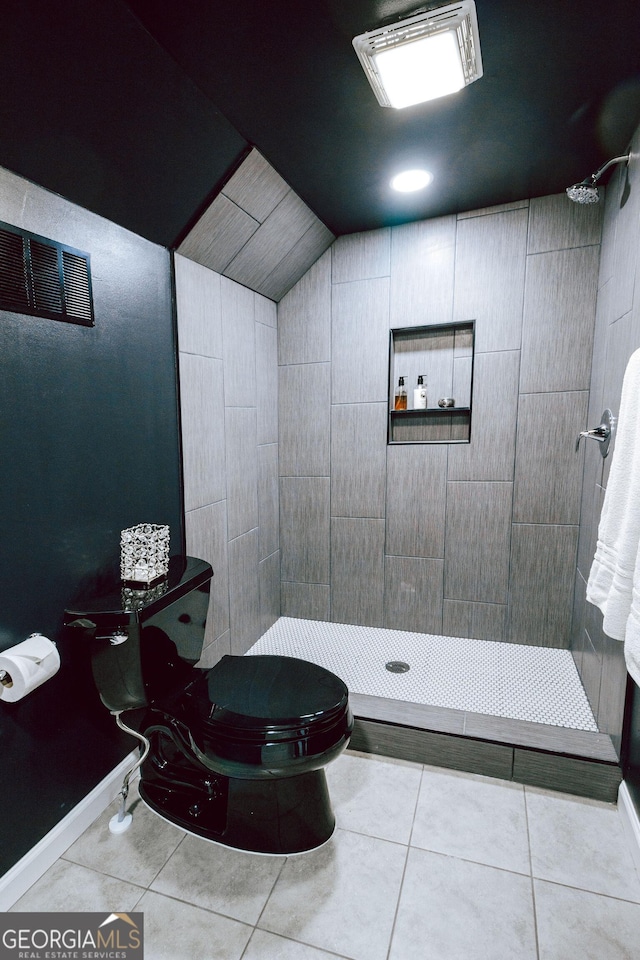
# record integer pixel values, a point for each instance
(614, 580)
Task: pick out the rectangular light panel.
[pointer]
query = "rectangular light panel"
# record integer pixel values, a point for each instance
(427, 56)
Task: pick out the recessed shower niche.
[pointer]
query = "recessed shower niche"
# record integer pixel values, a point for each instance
(431, 383)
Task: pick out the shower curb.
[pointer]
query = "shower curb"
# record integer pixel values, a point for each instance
(44, 854)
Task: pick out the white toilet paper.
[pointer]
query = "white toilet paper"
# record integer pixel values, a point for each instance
(27, 665)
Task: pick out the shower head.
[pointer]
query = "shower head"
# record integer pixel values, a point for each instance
(587, 191)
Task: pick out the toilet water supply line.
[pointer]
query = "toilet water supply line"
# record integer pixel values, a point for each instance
(122, 821)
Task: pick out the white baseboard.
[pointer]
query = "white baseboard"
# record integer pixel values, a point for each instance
(631, 820)
(45, 853)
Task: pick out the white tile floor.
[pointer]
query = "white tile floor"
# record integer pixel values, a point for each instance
(426, 864)
(539, 684)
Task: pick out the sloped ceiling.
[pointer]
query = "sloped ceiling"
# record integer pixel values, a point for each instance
(257, 231)
(141, 111)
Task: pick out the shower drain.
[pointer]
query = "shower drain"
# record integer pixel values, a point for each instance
(397, 666)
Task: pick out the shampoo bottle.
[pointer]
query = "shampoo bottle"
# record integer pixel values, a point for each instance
(420, 395)
(401, 396)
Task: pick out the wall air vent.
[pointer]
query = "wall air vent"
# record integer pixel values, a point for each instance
(43, 278)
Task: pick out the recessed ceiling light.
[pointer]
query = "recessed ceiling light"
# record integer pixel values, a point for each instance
(410, 180)
(422, 58)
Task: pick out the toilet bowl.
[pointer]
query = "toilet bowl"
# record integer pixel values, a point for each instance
(237, 752)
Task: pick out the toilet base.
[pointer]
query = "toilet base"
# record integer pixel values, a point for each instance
(281, 816)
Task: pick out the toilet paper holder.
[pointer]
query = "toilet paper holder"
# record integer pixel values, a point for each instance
(38, 655)
(5, 673)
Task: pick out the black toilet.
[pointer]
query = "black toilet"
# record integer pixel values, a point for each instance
(237, 752)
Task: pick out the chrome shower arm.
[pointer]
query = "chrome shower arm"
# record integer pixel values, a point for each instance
(605, 166)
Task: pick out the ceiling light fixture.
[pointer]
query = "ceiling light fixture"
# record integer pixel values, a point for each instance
(411, 180)
(424, 57)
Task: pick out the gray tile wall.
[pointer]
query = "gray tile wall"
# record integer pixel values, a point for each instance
(617, 335)
(227, 341)
(257, 231)
(471, 540)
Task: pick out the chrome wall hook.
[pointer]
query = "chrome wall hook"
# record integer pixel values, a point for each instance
(602, 433)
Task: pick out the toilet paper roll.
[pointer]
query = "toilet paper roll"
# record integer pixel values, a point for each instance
(26, 666)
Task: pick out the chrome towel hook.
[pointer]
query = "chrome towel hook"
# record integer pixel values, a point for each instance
(602, 433)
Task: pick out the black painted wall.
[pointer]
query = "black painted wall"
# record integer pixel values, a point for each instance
(89, 444)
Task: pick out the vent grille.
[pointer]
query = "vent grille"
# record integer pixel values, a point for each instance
(44, 279)
(13, 274)
(77, 286)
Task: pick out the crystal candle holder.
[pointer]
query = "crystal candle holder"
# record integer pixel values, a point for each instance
(144, 553)
(136, 598)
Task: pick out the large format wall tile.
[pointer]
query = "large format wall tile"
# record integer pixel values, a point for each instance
(309, 601)
(199, 309)
(203, 434)
(360, 256)
(304, 529)
(491, 453)
(592, 502)
(266, 383)
(242, 470)
(268, 505)
(542, 574)
(422, 262)
(481, 621)
(623, 338)
(266, 311)
(244, 592)
(489, 278)
(220, 233)
(256, 187)
(624, 190)
(304, 317)
(309, 247)
(265, 249)
(477, 541)
(490, 211)
(360, 338)
(304, 400)
(548, 476)
(239, 341)
(413, 594)
(591, 666)
(206, 538)
(269, 590)
(416, 500)
(555, 224)
(559, 313)
(613, 685)
(358, 459)
(357, 571)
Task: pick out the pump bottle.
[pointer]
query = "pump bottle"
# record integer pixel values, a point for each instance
(420, 395)
(401, 396)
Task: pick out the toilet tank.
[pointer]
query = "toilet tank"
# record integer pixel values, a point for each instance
(144, 643)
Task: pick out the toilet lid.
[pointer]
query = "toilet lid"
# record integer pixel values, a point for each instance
(273, 691)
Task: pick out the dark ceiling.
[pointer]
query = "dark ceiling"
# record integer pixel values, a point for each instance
(140, 111)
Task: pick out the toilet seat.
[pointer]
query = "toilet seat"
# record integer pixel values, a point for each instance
(262, 716)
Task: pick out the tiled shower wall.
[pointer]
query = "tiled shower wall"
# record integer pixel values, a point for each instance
(478, 539)
(227, 341)
(617, 334)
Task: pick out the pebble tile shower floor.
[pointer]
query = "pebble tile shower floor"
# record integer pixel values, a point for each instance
(539, 684)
